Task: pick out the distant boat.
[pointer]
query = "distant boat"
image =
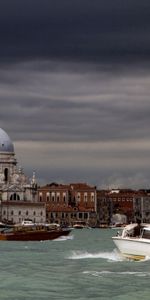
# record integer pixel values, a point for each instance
(134, 242)
(3, 225)
(80, 225)
(32, 232)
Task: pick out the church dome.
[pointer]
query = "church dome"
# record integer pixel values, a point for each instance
(6, 144)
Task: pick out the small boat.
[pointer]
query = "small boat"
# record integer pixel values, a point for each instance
(35, 232)
(4, 225)
(80, 225)
(134, 241)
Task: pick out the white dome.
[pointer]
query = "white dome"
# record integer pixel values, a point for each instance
(6, 144)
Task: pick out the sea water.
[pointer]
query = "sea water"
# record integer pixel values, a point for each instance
(84, 265)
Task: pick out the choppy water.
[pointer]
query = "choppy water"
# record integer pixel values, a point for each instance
(83, 266)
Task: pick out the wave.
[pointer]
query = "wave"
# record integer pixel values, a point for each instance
(114, 255)
(111, 256)
(64, 238)
(107, 273)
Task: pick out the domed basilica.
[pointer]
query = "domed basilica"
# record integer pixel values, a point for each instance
(18, 194)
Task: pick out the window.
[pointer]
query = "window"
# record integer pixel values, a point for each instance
(80, 215)
(6, 174)
(64, 197)
(85, 215)
(14, 197)
(146, 234)
(19, 213)
(58, 197)
(53, 197)
(27, 213)
(47, 197)
(40, 197)
(85, 197)
(78, 197)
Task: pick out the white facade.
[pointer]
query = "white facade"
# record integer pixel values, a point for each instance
(16, 188)
(16, 212)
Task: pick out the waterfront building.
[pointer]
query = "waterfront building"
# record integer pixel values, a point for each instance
(104, 208)
(113, 203)
(141, 206)
(71, 203)
(123, 205)
(18, 194)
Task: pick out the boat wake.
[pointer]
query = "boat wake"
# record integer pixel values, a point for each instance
(110, 256)
(64, 238)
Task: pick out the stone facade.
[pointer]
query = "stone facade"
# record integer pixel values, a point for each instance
(15, 188)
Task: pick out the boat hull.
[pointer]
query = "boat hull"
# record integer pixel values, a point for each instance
(33, 235)
(136, 249)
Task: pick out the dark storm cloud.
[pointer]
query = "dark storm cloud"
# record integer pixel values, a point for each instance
(73, 106)
(88, 30)
(74, 88)
(68, 105)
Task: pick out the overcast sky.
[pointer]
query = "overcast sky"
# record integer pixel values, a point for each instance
(75, 89)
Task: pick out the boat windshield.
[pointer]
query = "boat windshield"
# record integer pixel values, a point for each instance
(146, 233)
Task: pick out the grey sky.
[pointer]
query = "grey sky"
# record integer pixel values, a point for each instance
(74, 89)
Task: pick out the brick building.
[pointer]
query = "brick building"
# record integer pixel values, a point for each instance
(123, 202)
(67, 204)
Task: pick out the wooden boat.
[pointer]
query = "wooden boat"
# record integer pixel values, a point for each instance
(35, 232)
(134, 241)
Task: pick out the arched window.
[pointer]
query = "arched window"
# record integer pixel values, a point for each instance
(14, 197)
(6, 174)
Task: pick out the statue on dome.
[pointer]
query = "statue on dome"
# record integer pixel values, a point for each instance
(33, 181)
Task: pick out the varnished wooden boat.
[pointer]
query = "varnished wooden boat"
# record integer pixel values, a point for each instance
(32, 233)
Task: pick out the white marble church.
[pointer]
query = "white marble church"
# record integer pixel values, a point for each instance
(18, 194)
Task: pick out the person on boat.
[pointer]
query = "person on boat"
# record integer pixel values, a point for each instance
(137, 229)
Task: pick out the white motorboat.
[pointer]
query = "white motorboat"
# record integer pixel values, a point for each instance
(134, 241)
